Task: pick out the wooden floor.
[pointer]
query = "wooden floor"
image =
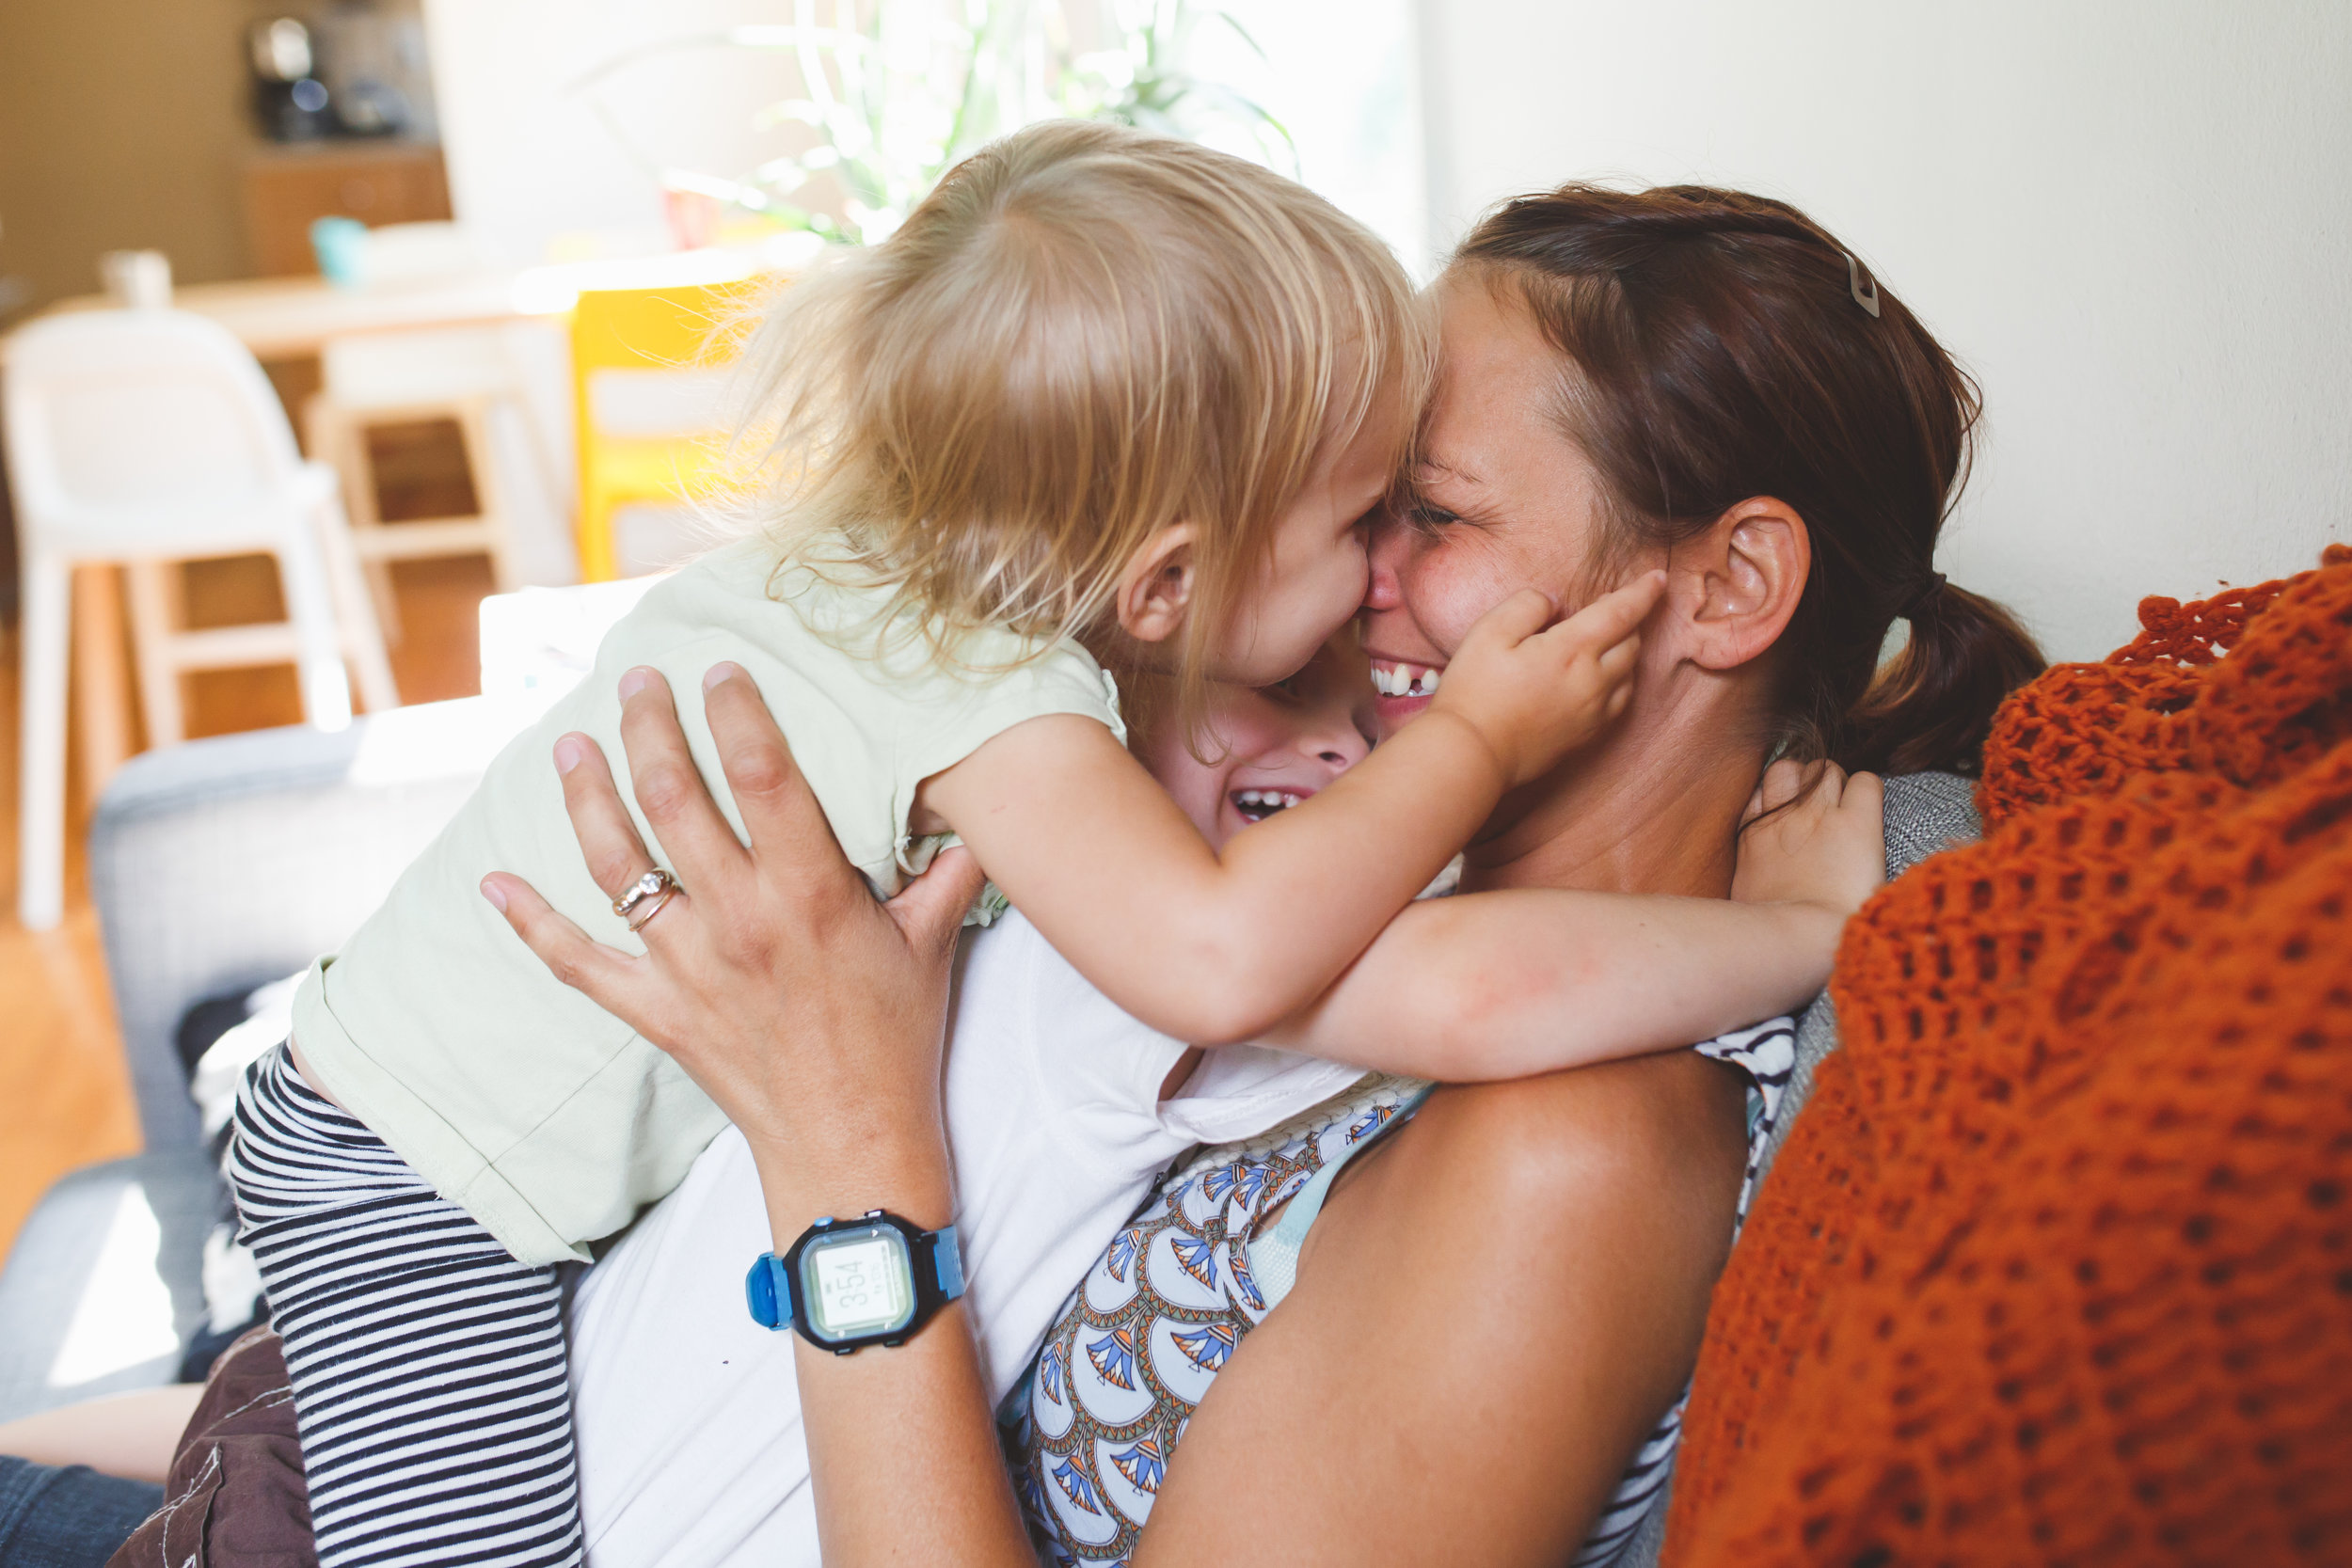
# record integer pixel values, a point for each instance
(65, 1097)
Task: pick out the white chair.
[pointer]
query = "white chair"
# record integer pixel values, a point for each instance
(150, 438)
(463, 374)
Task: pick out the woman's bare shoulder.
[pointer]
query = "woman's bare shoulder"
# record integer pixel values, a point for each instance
(1467, 1252)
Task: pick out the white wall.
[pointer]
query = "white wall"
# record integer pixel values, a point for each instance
(532, 166)
(1340, 76)
(2130, 218)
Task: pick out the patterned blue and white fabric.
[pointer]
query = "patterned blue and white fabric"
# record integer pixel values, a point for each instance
(1092, 1429)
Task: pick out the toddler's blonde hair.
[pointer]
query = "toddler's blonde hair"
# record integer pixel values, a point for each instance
(1082, 335)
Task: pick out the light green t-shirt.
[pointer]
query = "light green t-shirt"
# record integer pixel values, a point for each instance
(514, 1096)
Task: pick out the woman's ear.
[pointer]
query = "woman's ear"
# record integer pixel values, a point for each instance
(1741, 581)
(1156, 591)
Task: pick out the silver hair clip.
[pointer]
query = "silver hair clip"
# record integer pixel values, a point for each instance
(1853, 281)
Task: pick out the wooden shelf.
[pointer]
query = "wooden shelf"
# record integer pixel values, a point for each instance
(290, 186)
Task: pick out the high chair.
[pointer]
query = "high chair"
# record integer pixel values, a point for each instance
(146, 439)
(650, 368)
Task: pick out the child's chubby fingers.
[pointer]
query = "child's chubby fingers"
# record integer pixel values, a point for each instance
(1616, 616)
(1865, 794)
(598, 973)
(1861, 810)
(1618, 661)
(1512, 621)
(670, 788)
(781, 815)
(1782, 783)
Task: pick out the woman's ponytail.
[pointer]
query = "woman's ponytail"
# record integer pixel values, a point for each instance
(1720, 346)
(1930, 706)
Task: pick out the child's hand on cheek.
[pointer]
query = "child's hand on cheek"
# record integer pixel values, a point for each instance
(1533, 694)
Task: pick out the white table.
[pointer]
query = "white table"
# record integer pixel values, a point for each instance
(291, 318)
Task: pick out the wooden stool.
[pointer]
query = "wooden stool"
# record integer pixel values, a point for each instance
(462, 374)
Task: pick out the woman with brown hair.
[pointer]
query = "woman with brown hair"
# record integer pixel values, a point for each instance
(1494, 1316)
(1497, 1308)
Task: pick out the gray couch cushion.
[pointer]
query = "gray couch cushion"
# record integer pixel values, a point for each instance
(106, 1281)
(223, 863)
(215, 866)
(1925, 812)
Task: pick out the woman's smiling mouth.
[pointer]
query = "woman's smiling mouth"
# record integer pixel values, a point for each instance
(1403, 686)
(1397, 678)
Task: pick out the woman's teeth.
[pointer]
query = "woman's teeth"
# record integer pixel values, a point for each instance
(1259, 805)
(1400, 681)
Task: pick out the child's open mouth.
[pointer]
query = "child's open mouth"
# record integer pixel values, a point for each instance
(1259, 805)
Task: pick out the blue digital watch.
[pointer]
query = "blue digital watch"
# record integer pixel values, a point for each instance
(848, 1284)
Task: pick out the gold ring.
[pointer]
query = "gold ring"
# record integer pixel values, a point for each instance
(651, 910)
(652, 883)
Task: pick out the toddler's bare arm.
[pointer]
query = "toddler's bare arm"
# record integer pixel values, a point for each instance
(1218, 948)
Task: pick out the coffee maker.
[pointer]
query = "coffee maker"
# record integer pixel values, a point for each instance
(288, 99)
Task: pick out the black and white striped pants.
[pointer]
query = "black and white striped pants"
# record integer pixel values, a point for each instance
(428, 1365)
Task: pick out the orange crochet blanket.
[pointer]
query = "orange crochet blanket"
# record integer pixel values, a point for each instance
(2057, 1265)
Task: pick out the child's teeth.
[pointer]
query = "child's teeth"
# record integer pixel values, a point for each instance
(1289, 801)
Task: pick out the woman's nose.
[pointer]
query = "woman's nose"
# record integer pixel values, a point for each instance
(1390, 546)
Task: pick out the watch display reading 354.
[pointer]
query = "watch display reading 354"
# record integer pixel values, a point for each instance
(847, 1284)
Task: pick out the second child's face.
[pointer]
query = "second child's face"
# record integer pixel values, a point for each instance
(1314, 579)
(1268, 747)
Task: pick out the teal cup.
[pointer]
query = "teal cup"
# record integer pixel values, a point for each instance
(342, 248)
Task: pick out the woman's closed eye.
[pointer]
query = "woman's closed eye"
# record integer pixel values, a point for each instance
(1425, 516)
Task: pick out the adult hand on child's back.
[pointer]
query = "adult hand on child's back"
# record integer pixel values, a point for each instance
(811, 1013)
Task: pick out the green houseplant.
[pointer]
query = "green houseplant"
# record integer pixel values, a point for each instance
(889, 94)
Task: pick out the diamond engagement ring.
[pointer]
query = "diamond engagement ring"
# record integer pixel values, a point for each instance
(657, 885)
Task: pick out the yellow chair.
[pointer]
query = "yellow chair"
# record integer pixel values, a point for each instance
(648, 371)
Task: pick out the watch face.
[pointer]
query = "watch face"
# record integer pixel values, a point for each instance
(858, 1281)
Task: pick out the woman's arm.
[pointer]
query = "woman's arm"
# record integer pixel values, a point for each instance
(1216, 948)
(1513, 983)
(814, 1017)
